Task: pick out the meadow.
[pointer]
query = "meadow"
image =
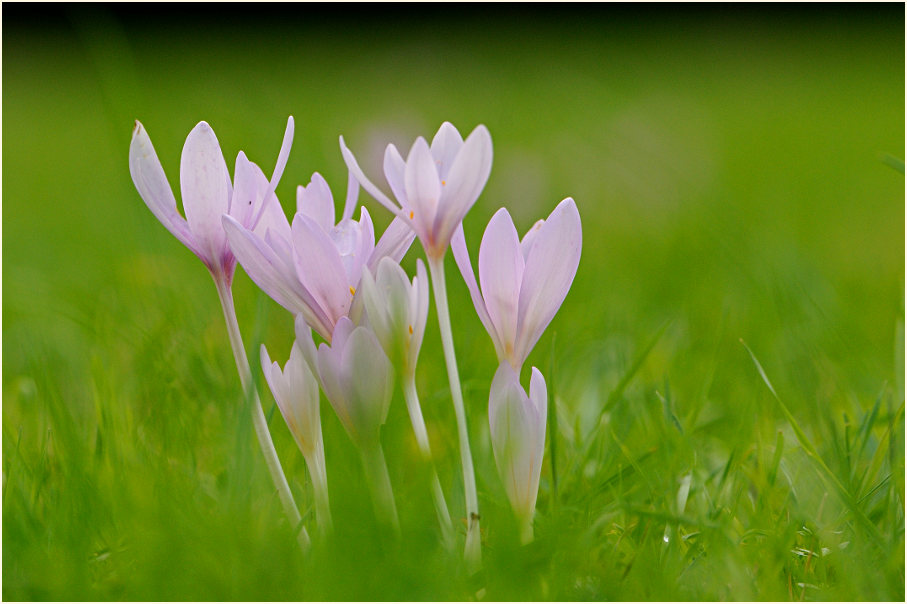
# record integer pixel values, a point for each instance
(727, 370)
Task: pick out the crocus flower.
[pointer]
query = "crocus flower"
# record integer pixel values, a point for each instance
(435, 186)
(517, 426)
(397, 311)
(358, 380)
(523, 282)
(296, 391)
(207, 193)
(313, 267)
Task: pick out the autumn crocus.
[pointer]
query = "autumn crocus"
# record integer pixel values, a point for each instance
(435, 187)
(523, 283)
(207, 194)
(358, 381)
(397, 311)
(295, 390)
(517, 426)
(313, 267)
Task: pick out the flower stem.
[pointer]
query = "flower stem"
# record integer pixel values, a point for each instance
(526, 533)
(415, 416)
(473, 553)
(379, 483)
(225, 293)
(315, 462)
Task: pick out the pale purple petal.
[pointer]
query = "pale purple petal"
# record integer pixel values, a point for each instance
(529, 238)
(331, 382)
(366, 245)
(274, 275)
(550, 268)
(461, 256)
(510, 428)
(283, 155)
(445, 146)
(374, 191)
(319, 267)
(352, 195)
(306, 344)
(316, 202)
(394, 169)
(249, 184)
(464, 183)
(500, 275)
(538, 400)
(423, 187)
(152, 185)
(342, 331)
(375, 306)
(206, 189)
(273, 221)
(394, 243)
(369, 380)
(419, 306)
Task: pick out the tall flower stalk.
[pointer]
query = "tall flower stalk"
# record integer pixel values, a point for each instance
(436, 186)
(397, 311)
(207, 194)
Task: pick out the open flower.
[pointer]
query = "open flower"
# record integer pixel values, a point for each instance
(523, 282)
(207, 193)
(397, 311)
(296, 391)
(517, 426)
(435, 186)
(314, 267)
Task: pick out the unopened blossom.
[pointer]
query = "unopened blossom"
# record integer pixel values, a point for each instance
(436, 185)
(397, 311)
(523, 283)
(314, 267)
(207, 193)
(517, 426)
(357, 379)
(296, 391)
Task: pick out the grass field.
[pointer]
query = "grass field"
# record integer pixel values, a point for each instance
(729, 167)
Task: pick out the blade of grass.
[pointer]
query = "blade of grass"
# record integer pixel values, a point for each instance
(814, 455)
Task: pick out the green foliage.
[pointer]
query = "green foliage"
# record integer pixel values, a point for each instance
(727, 173)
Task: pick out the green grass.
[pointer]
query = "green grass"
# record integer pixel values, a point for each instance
(735, 179)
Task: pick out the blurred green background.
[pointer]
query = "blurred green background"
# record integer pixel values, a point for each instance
(728, 167)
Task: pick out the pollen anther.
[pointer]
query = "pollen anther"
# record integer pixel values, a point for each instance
(352, 290)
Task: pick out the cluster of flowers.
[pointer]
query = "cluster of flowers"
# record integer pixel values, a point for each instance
(339, 281)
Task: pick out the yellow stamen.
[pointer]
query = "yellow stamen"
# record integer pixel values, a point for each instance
(411, 214)
(443, 182)
(352, 290)
(410, 330)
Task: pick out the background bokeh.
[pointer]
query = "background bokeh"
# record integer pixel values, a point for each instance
(729, 168)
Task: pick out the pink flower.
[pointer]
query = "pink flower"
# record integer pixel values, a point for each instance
(314, 267)
(207, 192)
(358, 380)
(523, 282)
(435, 186)
(397, 311)
(517, 426)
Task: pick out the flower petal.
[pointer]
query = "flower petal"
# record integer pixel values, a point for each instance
(206, 189)
(464, 183)
(529, 238)
(374, 191)
(249, 186)
(445, 146)
(394, 169)
(273, 275)
(419, 309)
(538, 399)
(152, 185)
(394, 243)
(500, 275)
(423, 187)
(316, 201)
(320, 268)
(461, 256)
(550, 268)
(369, 381)
(510, 436)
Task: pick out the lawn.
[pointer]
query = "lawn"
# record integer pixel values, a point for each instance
(727, 369)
